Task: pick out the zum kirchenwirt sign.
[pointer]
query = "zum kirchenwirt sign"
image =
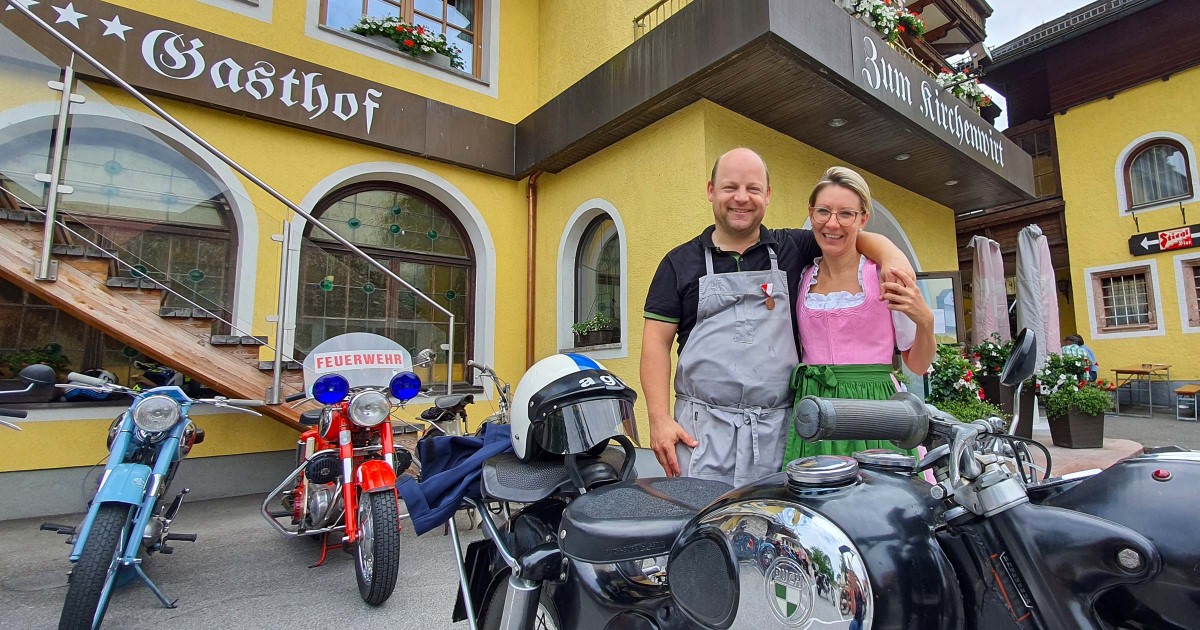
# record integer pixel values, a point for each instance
(184, 62)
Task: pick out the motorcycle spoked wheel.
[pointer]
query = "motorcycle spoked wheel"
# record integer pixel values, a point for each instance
(95, 574)
(493, 610)
(378, 548)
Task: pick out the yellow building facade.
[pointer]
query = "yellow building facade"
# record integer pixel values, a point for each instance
(1099, 222)
(620, 171)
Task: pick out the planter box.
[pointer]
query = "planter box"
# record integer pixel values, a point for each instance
(997, 393)
(1077, 430)
(597, 338)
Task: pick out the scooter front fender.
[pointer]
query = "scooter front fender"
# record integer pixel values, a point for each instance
(123, 483)
(375, 475)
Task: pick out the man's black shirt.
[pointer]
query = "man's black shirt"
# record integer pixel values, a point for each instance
(674, 292)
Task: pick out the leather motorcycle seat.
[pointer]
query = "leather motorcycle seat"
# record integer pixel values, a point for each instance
(633, 520)
(310, 418)
(453, 400)
(507, 478)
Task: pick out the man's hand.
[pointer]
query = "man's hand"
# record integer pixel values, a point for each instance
(664, 434)
(885, 254)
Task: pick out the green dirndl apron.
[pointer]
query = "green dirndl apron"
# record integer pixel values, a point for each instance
(862, 382)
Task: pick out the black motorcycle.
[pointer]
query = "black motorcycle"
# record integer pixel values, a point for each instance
(838, 542)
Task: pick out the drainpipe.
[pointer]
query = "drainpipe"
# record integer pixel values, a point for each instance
(531, 265)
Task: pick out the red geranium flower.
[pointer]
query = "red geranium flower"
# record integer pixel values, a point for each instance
(408, 43)
(420, 30)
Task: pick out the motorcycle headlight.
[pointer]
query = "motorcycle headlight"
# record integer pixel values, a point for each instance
(156, 413)
(369, 408)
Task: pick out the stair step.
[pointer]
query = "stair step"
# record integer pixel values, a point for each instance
(79, 250)
(185, 313)
(125, 282)
(267, 366)
(97, 268)
(238, 340)
(23, 215)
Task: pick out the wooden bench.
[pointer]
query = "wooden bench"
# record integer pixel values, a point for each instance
(1186, 402)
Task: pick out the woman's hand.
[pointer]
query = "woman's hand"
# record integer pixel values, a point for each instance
(902, 295)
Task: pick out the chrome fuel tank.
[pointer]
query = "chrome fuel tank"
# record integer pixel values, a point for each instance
(853, 553)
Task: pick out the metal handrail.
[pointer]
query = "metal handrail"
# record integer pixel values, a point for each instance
(144, 100)
(639, 23)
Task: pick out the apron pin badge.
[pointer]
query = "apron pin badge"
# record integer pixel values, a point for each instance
(767, 290)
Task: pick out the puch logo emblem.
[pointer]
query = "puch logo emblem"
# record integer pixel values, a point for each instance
(789, 591)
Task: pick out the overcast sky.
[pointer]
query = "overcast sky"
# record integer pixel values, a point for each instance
(1012, 18)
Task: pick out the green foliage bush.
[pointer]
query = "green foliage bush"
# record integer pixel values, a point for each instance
(967, 410)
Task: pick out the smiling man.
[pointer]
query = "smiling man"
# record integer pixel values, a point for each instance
(727, 296)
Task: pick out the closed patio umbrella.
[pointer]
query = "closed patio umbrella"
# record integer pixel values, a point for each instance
(989, 300)
(1037, 301)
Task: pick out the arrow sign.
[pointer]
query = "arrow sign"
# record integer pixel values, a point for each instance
(1165, 241)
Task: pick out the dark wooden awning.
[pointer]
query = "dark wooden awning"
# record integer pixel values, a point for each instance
(793, 67)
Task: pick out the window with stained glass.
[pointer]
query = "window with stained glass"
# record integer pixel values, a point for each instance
(138, 197)
(415, 238)
(458, 20)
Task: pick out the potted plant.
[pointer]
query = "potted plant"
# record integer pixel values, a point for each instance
(989, 110)
(415, 40)
(989, 357)
(1076, 414)
(600, 329)
(952, 376)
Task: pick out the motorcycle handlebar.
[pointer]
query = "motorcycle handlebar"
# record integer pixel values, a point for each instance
(904, 419)
(84, 379)
(242, 402)
(13, 413)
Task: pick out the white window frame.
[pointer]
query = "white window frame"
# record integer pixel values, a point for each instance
(1138, 144)
(568, 250)
(1181, 284)
(258, 9)
(487, 83)
(1151, 268)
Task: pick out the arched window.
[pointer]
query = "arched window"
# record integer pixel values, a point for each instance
(1156, 172)
(598, 284)
(417, 239)
(140, 197)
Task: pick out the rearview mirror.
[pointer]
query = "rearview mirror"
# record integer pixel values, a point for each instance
(37, 374)
(1022, 362)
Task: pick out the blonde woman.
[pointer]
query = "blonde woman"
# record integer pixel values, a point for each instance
(849, 323)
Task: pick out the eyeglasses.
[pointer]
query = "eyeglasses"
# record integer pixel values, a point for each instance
(845, 217)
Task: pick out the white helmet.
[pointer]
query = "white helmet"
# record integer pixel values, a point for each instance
(568, 403)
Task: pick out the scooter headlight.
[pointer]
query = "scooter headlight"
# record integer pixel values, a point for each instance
(155, 414)
(369, 408)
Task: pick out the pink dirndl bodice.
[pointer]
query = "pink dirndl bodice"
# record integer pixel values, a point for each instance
(856, 335)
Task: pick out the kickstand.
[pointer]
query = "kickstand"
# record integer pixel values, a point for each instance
(153, 587)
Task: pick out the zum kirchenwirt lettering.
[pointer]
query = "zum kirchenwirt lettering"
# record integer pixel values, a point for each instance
(881, 75)
(173, 56)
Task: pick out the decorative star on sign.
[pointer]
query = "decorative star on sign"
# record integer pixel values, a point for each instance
(28, 4)
(69, 14)
(115, 27)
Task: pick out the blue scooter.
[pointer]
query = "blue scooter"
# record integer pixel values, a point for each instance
(128, 516)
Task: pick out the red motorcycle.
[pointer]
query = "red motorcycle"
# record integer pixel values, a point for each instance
(344, 485)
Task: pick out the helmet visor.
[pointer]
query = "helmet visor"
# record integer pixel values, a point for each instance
(579, 426)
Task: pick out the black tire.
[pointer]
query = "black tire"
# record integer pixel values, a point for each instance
(95, 573)
(493, 609)
(377, 553)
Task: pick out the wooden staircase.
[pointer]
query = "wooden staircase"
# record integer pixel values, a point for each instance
(129, 309)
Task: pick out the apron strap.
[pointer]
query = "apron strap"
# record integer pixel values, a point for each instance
(708, 263)
(751, 414)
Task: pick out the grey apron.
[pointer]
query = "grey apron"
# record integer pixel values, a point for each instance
(731, 384)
